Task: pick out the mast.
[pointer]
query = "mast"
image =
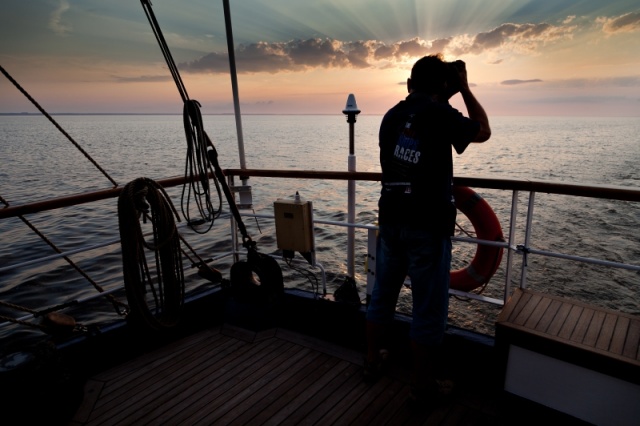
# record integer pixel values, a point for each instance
(234, 84)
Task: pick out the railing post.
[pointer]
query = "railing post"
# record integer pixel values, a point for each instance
(510, 249)
(233, 226)
(527, 241)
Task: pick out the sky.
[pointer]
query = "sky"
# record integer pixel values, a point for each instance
(524, 57)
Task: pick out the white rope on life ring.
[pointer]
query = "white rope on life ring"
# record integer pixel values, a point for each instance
(487, 227)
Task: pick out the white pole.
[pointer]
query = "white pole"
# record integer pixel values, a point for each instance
(351, 218)
(351, 110)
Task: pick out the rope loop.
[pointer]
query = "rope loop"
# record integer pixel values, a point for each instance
(155, 294)
(198, 168)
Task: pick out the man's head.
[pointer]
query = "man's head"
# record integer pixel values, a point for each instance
(429, 75)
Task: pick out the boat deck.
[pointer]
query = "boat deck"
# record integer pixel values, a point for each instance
(228, 375)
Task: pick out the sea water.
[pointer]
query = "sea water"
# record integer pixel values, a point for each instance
(39, 162)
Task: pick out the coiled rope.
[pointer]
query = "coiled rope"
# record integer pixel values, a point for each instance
(157, 300)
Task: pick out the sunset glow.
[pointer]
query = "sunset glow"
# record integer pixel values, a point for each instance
(523, 57)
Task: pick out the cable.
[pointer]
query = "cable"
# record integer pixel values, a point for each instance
(307, 274)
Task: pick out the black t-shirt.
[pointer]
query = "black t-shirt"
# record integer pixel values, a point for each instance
(416, 137)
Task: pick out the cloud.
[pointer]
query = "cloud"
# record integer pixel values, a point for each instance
(298, 55)
(517, 37)
(302, 55)
(622, 81)
(516, 82)
(55, 21)
(582, 83)
(581, 99)
(626, 23)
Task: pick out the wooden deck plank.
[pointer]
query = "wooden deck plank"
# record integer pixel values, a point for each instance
(306, 391)
(155, 361)
(125, 391)
(270, 397)
(219, 392)
(371, 413)
(288, 397)
(559, 319)
(591, 337)
(126, 369)
(247, 390)
(511, 304)
(521, 303)
(528, 307)
(619, 336)
(351, 405)
(397, 410)
(271, 381)
(608, 326)
(185, 384)
(302, 414)
(580, 331)
(632, 344)
(549, 315)
(538, 314)
(338, 393)
(188, 396)
(130, 398)
(570, 322)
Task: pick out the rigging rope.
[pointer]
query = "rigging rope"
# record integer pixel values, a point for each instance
(192, 108)
(198, 166)
(33, 101)
(116, 304)
(156, 302)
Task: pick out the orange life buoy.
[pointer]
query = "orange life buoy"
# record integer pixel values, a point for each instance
(487, 227)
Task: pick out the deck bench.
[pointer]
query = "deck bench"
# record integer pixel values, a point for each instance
(570, 356)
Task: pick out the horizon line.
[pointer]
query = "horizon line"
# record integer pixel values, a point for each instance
(24, 113)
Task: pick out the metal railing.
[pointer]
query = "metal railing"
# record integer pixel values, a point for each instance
(515, 186)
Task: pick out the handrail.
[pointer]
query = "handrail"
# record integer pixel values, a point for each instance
(514, 185)
(594, 191)
(76, 199)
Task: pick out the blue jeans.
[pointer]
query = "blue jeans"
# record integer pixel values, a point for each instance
(425, 257)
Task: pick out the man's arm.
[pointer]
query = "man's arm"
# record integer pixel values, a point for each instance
(476, 113)
(474, 109)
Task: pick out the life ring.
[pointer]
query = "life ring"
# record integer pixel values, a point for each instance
(487, 227)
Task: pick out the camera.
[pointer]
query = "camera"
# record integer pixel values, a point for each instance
(453, 77)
